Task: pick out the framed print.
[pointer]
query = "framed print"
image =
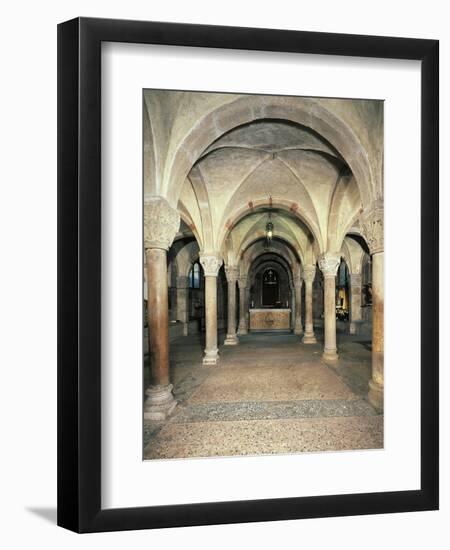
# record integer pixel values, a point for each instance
(248, 275)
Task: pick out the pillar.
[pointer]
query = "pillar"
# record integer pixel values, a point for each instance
(211, 264)
(292, 305)
(231, 273)
(309, 273)
(329, 264)
(161, 222)
(298, 328)
(355, 301)
(183, 302)
(373, 231)
(243, 305)
(376, 385)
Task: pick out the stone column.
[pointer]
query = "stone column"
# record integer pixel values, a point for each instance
(355, 301)
(243, 305)
(329, 264)
(309, 273)
(183, 302)
(376, 385)
(161, 222)
(298, 328)
(292, 305)
(211, 264)
(232, 276)
(373, 230)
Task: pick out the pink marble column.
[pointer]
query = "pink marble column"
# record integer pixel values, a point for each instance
(243, 305)
(298, 328)
(355, 301)
(211, 264)
(329, 264)
(376, 385)
(161, 222)
(373, 231)
(309, 274)
(231, 273)
(183, 302)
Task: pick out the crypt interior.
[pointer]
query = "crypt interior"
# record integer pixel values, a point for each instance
(263, 274)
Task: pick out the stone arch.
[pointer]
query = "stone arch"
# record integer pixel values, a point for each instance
(353, 253)
(187, 219)
(259, 236)
(201, 193)
(273, 257)
(277, 247)
(149, 160)
(345, 208)
(186, 256)
(259, 266)
(304, 111)
(274, 249)
(346, 256)
(232, 217)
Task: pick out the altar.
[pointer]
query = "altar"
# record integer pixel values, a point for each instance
(270, 319)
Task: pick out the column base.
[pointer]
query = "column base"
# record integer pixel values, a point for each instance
(352, 329)
(211, 358)
(330, 355)
(185, 329)
(231, 340)
(309, 338)
(242, 331)
(298, 331)
(376, 395)
(159, 403)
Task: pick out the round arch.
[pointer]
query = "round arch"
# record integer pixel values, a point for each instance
(232, 217)
(270, 259)
(306, 112)
(246, 245)
(282, 280)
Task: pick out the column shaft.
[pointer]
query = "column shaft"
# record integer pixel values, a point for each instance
(330, 349)
(329, 265)
(298, 328)
(376, 385)
(211, 265)
(183, 302)
(373, 227)
(243, 305)
(158, 318)
(292, 307)
(160, 401)
(309, 274)
(231, 338)
(211, 350)
(355, 301)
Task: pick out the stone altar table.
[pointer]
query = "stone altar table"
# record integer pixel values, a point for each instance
(270, 320)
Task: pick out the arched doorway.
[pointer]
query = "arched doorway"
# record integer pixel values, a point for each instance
(270, 288)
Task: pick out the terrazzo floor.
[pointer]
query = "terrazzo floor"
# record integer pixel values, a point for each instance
(270, 394)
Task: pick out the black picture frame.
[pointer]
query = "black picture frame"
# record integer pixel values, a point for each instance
(79, 274)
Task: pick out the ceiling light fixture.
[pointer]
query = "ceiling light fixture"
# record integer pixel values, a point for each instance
(269, 225)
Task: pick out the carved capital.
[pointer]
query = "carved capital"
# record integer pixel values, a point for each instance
(309, 273)
(232, 273)
(161, 223)
(211, 264)
(373, 228)
(242, 282)
(329, 264)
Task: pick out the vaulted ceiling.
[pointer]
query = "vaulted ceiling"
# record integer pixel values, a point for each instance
(314, 192)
